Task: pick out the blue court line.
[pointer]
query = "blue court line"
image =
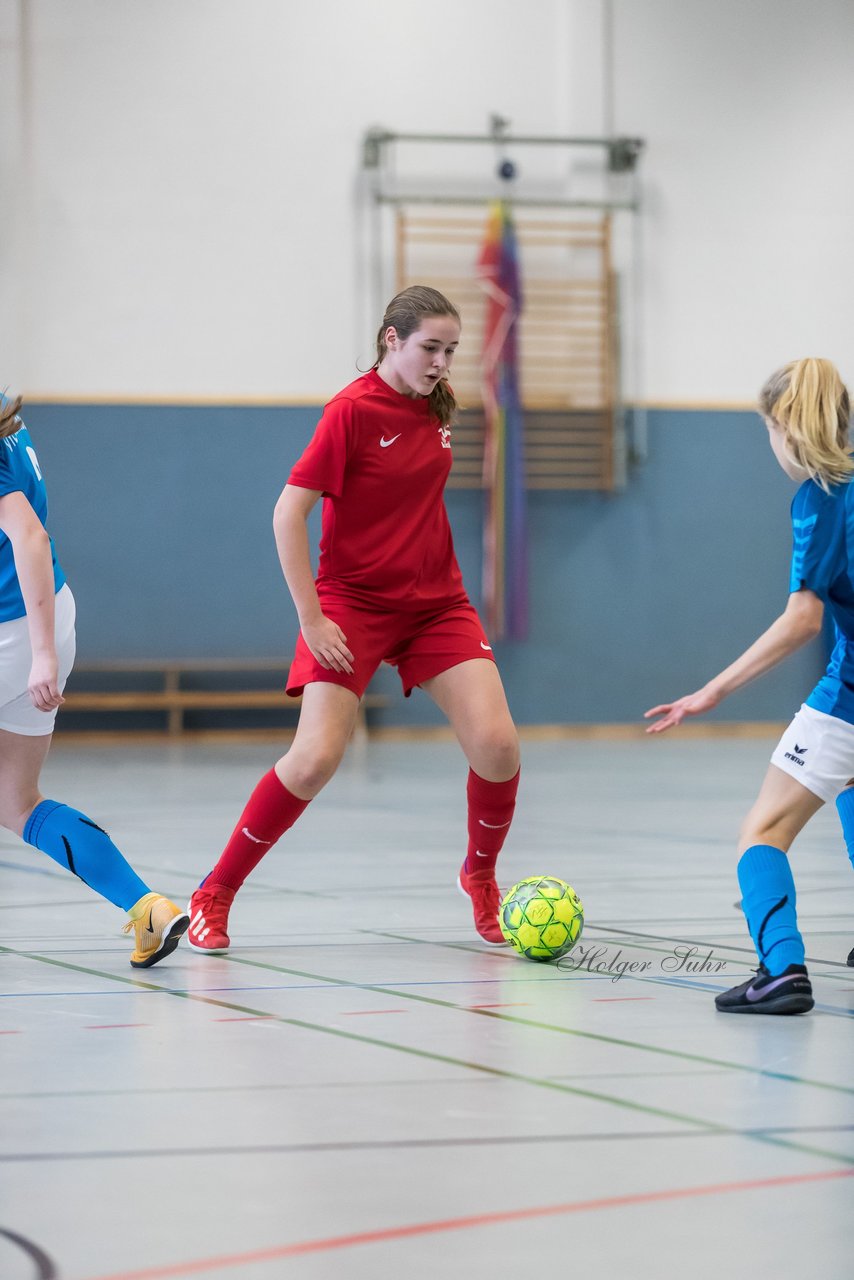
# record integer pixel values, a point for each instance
(492, 1072)
(683, 983)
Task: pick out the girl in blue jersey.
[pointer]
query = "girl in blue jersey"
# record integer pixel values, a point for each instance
(806, 411)
(36, 655)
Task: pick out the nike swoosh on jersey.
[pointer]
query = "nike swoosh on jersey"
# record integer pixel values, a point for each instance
(384, 444)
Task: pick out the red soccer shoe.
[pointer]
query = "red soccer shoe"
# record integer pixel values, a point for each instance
(485, 900)
(208, 912)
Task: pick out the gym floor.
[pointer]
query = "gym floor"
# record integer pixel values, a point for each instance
(362, 1087)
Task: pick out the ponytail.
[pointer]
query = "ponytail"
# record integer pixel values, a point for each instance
(809, 403)
(9, 420)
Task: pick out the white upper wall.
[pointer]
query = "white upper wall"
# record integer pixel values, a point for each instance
(180, 212)
(747, 258)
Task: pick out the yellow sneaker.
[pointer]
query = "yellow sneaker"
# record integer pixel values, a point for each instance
(159, 926)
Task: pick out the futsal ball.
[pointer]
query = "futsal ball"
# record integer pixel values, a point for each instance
(541, 917)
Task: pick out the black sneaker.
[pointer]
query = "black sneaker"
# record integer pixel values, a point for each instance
(788, 992)
(850, 960)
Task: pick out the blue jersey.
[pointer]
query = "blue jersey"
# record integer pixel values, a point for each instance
(823, 561)
(20, 473)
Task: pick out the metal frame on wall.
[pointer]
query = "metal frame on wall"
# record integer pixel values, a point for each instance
(570, 327)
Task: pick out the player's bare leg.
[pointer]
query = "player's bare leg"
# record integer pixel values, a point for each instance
(781, 984)
(781, 811)
(21, 760)
(326, 723)
(80, 846)
(472, 697)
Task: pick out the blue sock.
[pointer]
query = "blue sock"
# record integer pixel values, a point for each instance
(768, 902)
(83, 848)
(845, 809)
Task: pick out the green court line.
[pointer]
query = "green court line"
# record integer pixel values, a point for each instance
(544, 1026)
(706, 1126)
(680, 1054)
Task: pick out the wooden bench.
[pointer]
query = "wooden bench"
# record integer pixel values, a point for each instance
(176, 687)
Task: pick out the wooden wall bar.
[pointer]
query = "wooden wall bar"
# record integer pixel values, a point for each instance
(567, 339)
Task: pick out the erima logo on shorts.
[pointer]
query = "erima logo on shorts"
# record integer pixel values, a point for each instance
(797, 758)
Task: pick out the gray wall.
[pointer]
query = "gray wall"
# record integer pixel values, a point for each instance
(162, 517)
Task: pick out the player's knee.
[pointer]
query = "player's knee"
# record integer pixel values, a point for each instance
(749, 834)
(310, 772)
(498, 753)
(753, 832)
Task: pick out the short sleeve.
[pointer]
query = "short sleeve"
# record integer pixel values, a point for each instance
(818, 532)
(9, 482)
(324, 462)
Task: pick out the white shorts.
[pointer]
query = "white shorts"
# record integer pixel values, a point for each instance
(17, 713)
(818, 750)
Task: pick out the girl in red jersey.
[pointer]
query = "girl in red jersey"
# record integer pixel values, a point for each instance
(388, 589)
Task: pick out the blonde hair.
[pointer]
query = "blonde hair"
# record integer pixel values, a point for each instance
(808, 401)
(404, 314)
(9, 420)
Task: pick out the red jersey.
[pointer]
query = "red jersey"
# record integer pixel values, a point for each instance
(381, 460)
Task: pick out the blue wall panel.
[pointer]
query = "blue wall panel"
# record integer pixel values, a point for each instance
(162, 517)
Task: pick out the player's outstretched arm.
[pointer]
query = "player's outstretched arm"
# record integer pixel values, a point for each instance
(673, 713)
(798, 623)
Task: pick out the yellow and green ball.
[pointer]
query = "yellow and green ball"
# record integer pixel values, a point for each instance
(541, 917)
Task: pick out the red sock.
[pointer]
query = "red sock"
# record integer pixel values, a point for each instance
(269, 813)
(491, 806)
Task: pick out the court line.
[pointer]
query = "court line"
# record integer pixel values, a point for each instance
(620, 999)
(407, 1144)
(291, 1087)
(679, 982)
(318, 979)
(400, 993)
(446, 1059)
(600, 1037)
(553, 976)
(45, 1266)
(499, 1218)
(692, 942)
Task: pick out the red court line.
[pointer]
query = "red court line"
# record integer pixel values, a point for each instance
(614, 999)
(111, 1026)
(461, 1224)
(11, 1033)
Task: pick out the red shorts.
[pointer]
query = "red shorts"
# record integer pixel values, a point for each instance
(420, 645)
